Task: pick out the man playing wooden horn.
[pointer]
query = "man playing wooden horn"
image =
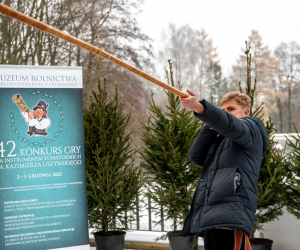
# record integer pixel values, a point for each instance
(229, 150)
(37, 120)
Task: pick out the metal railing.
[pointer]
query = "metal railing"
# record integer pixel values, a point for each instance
(146, 219)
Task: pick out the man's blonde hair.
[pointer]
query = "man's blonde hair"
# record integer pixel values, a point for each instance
(242, 99)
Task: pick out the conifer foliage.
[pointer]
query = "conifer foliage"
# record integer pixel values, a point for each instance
(167, 137)
(113, 182)
(272, 173)
(292, 194)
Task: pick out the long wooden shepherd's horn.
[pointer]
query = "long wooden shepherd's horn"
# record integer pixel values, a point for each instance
(55, 32)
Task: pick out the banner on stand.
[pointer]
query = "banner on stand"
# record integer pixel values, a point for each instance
(42, 169)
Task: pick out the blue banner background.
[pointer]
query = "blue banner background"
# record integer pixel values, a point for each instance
(65, 132)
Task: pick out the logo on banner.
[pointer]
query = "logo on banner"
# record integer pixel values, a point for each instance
(37, 120)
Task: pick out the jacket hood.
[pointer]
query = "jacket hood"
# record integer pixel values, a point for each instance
(262, 130)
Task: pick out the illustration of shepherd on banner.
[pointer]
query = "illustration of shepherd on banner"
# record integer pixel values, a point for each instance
(37, 120)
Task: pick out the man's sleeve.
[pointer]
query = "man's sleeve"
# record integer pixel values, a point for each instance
(238, 130)
(25, 116)
(30, 122)
(46, 122)
(199, 148)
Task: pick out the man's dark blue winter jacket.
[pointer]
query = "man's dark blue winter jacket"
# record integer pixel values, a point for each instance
(246, 140)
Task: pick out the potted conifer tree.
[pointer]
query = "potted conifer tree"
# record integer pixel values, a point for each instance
(272, 174)
(113, 182)
(167, 137)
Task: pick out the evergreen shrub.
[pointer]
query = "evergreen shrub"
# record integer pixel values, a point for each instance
(113, 181)
(167, 136)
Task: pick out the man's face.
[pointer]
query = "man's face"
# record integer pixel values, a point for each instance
(232, 107)
(39, 113)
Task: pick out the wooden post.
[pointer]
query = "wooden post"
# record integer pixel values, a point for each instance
(77, 42)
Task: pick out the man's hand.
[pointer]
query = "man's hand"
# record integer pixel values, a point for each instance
(191, 103)
(30, 114)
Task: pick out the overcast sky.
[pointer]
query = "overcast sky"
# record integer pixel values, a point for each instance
(227, 22)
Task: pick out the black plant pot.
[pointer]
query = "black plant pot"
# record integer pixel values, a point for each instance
(261, 244)
(114, 241)
(182, 243)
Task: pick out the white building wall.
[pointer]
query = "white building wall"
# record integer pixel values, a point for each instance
(284, 232)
